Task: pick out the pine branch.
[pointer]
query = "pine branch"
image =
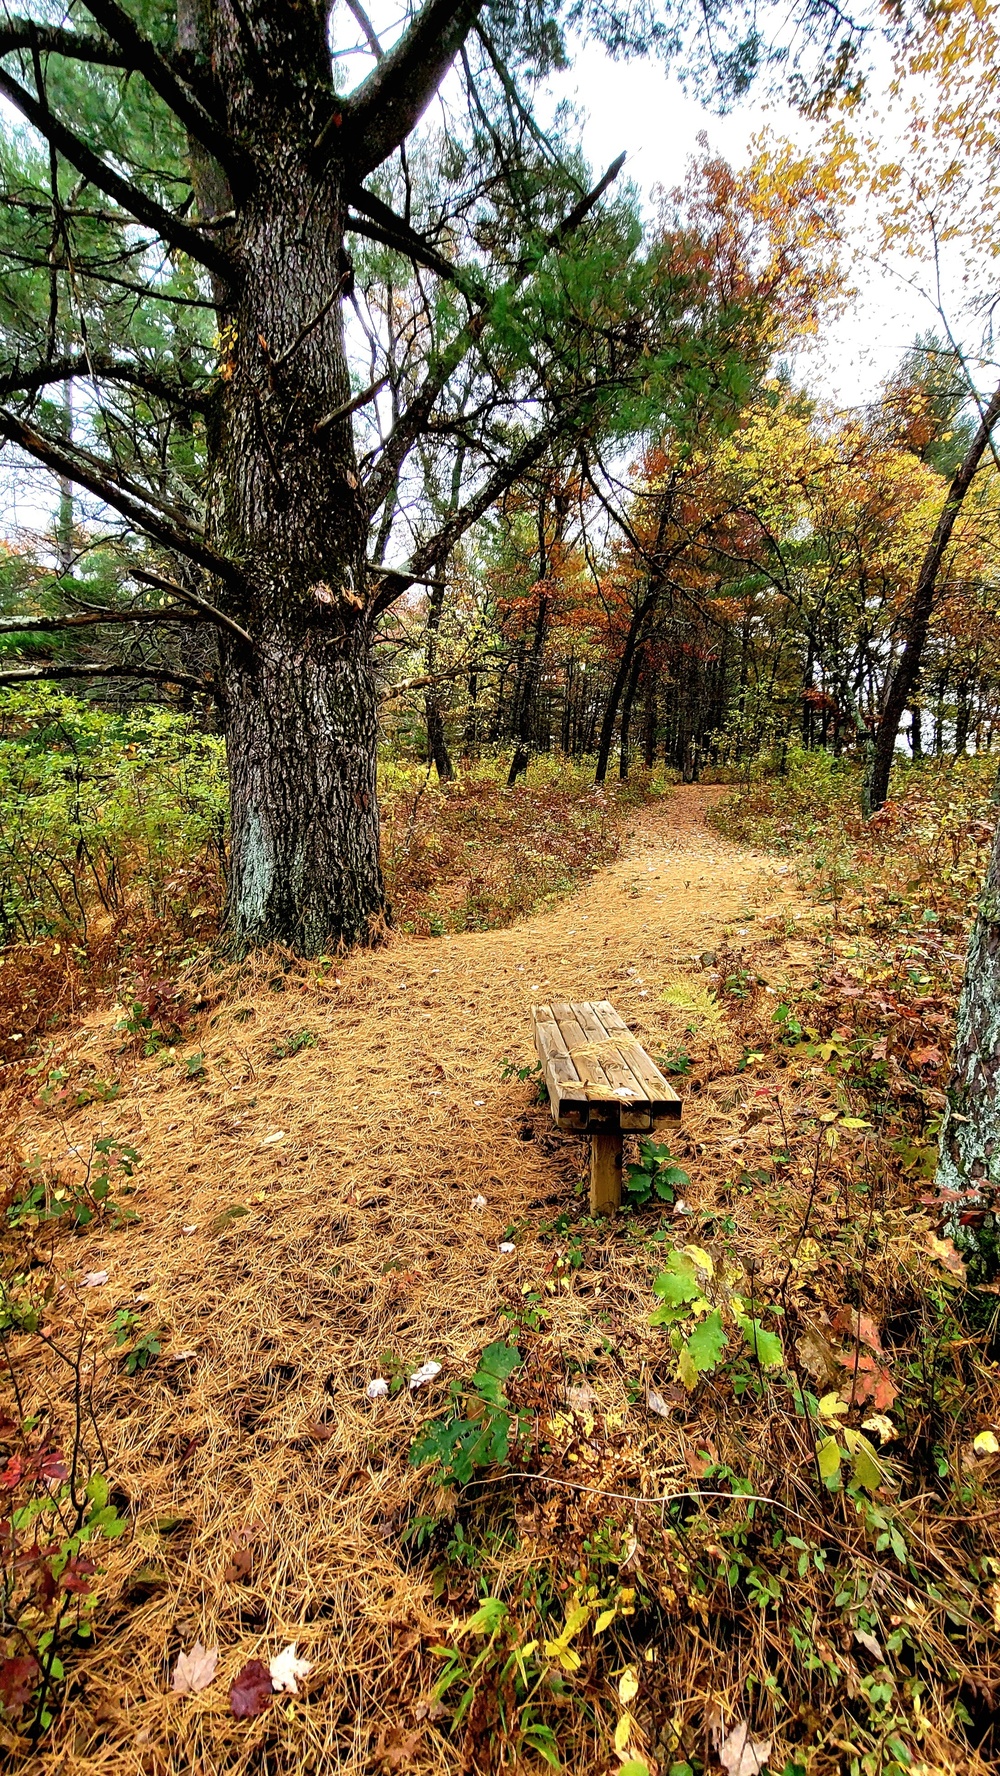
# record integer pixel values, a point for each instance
(435, 551)
(379, 223)
(54, 669)
(145, 59)
(176, 233)
(380, 113)
(413, 421)
(95, 365)
(92, 619)
(137, 508)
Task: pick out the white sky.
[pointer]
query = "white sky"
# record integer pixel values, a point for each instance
(643, 109)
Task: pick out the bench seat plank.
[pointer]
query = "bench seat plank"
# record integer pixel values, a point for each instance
(601, 1082)
(664, 1101)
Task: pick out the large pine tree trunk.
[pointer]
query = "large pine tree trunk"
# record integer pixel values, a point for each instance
(969, 1162)
(284, 502)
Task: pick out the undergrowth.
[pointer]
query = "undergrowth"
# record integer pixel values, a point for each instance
(114, 851)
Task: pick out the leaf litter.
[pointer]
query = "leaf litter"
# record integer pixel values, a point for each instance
(356, 1264)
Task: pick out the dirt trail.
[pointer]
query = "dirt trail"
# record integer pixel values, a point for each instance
(352, 1163)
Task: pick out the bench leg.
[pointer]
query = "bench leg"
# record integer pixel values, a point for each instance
(605, 1172)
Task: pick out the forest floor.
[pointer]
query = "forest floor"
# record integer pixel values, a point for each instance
(314, 1149)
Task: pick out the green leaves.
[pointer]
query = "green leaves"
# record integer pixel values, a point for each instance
(480, 1437)
(676, 1285)
(707, 1343)
(655, 1175)
(766, 1346)
(686, 1286)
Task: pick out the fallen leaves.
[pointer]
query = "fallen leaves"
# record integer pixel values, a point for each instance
(396, 1747)
(740, 1755)
(947, 1253)
(194, 1671)
(251, 1691)
(285, 1668)
(425, 1373)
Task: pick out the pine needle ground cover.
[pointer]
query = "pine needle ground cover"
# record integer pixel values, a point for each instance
(317, 1348)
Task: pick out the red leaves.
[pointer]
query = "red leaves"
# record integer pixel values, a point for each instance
(75, 1576)
(18, 1678)
(252, 1691)
(47, 1464)
(867, 1380)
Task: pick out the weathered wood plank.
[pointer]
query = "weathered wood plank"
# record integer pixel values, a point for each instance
(587, 1065)
(610, 1056)
(664, 1101)
(605, 1172)
(567, 1092)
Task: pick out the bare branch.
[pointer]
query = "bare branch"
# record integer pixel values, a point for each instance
(176, 233)
(91, 364)
(210, 611)
(379, 223)
(92, 619)
(348, 407)
(100, 479)
(22, 33)
(380, 113)
(44, 669)
(436, 549)
(366, 29)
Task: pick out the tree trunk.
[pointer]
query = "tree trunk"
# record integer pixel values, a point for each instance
(916, 732)
(284, 502)
(969, 1159)
(301, 738)
(903, 678)
(529, 691)
(618, 684)
(437, 745)
(626, 724)
(649, 722)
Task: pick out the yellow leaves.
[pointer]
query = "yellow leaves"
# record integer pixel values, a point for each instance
(986, 1443)
(628, 1685)
(828, 1455)
(559, 1650)
(832, 1406)
(687, 1373)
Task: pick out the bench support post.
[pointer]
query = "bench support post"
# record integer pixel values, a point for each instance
(605, 1172)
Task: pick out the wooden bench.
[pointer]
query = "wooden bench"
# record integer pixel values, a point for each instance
(601, 1083)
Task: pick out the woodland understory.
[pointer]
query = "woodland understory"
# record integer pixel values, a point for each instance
(437, 575)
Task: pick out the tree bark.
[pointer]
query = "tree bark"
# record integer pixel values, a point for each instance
(904, 676)
(437, 745)
(968, 1174)
(299, 705)
(626, 722)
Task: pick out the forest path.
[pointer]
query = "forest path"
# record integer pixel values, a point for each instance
(306, 1223)
(377, 1085)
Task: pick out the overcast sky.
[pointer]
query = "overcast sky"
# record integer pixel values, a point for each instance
(643, 109)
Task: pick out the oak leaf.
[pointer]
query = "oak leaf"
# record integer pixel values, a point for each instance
(740, 1755)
